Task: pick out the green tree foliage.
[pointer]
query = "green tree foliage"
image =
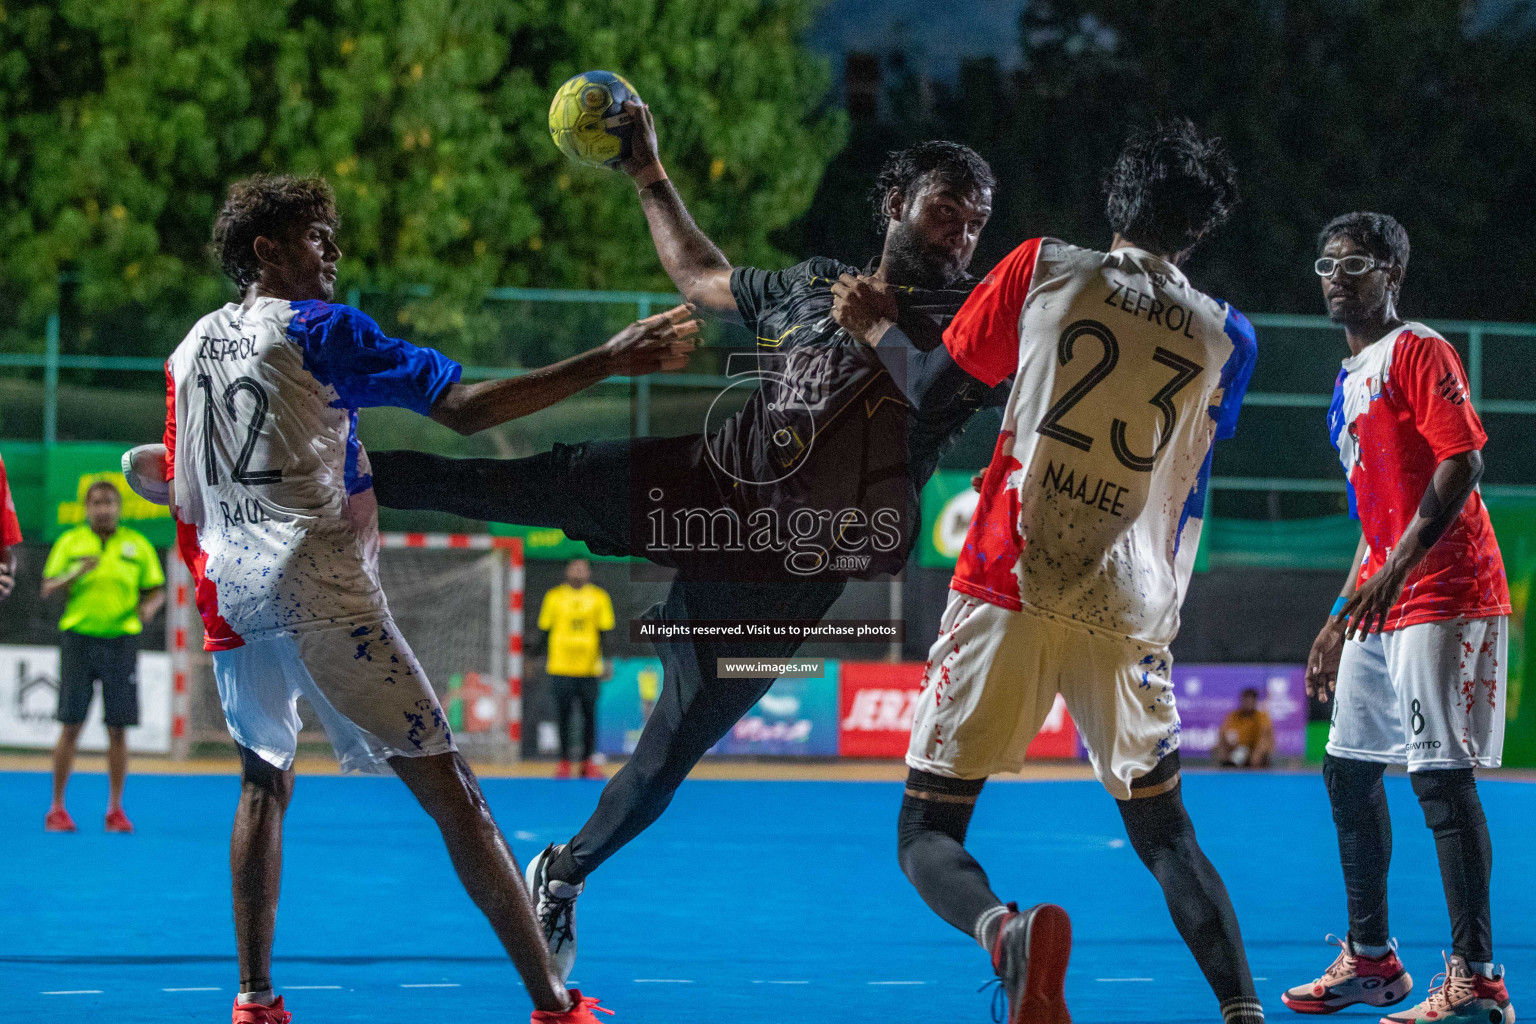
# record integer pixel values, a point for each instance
(122, 122)
(1422, 108)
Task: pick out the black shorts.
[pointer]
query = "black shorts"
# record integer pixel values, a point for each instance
(113, 660)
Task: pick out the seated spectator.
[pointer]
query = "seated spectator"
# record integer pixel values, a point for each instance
(1247, 736)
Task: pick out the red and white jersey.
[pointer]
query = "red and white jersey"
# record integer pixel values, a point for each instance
(1399, 409)
(1126, 375)
(274, 502)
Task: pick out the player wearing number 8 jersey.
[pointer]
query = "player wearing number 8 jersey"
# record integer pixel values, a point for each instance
(277, 521)
(1413, 656)
(1078, 555)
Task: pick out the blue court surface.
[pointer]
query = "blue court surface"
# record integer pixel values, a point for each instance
(748, 901)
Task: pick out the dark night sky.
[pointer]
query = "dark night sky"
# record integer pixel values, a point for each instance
(937, 36)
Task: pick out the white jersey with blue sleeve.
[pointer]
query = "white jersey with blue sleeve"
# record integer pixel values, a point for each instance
(1124, 376)
(275, 510)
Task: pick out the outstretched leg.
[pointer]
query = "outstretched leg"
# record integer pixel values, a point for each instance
(1164, 838)
(448, 791)
(695, 709)
(256, 869)
(524, 491)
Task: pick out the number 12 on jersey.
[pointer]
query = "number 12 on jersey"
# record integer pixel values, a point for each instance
(241, 472)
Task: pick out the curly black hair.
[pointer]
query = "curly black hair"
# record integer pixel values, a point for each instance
(267, 204)
(1170, 186)
(959, 167)
(1379, 233)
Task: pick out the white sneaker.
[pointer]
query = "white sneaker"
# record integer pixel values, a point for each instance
(554, 903)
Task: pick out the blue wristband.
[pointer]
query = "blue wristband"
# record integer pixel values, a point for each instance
(1338, 605)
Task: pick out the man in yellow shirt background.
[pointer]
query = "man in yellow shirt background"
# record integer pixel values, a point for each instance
(1247, 736)
(115, 585)
(575, 614)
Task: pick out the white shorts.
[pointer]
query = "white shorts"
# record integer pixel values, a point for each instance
(1428, 696)
(993, 675)
(363, 681)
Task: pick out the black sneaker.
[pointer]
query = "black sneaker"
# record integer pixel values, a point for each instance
(1030, 957)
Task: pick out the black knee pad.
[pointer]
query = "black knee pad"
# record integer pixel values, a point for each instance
(1350, 782)
(1449, 798)
(944, 806)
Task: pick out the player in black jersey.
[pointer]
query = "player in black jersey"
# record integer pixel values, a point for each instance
(768, 514)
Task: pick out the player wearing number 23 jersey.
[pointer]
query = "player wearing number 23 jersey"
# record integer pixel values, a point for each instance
(1090, 511)
(277, 520)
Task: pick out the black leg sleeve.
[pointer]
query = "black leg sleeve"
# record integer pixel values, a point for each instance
(696, 707)
(930, 843)
(584, 490)
(519, 491)
(1454, 813)
(1164, 838)
(1365, 843)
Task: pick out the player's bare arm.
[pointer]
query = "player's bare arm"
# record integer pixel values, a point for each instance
(693, 262)
(58, 583)
(1328, 648)
(864, 307)
(1448, 489)
(657, 343)
(150, 603)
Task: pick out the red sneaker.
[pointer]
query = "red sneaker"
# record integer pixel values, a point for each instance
(117, 821)
(1352, 978)
(58, 820)
(258, 1013)
(579, 1013)
(563, 770)
(591, 771)
(1030, 957)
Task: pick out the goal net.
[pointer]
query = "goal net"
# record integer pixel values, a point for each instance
(457, 600)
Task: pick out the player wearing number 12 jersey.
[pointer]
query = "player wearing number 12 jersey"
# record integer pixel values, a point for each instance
(277, 521)
(1078, 556)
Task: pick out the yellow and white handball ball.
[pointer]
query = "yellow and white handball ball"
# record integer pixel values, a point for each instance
(587, 119)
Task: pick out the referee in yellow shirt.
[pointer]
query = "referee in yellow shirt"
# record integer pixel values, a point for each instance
(115, 585)
(575, 614)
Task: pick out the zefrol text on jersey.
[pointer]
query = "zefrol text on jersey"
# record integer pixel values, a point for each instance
(219, 349)
(1143, 304)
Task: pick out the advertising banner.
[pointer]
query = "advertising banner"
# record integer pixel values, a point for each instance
(625, 702)
(877, 702)
(1205, 694)
(797, 718)
(71, 470)
(29, 697)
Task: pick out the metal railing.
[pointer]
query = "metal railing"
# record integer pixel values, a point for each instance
(1476, 333)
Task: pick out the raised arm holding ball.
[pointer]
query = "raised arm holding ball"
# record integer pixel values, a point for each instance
(826, 435)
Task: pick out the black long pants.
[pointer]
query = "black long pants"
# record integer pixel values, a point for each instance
(586, 491)
(569, 693)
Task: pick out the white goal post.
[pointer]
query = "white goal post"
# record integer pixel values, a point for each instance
(458, 600)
